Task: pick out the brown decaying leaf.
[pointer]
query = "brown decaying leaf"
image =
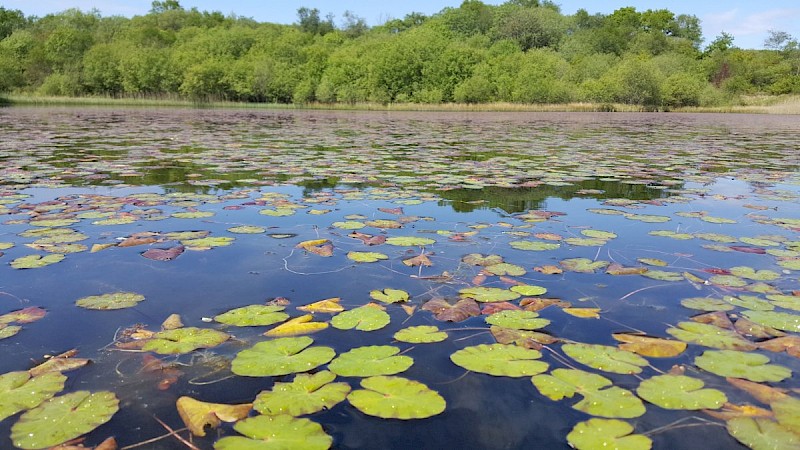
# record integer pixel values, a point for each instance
(538, 304)
(549, 270)
(458, 312)
(743, 249)
(164, 254)
(527, 339)
(491, 308)
(759, 391)
(329, 305)
(619, 269)
(548, 236)
(368, 239)
(97, 247)
(747, 327)
(478, 279)
(731, 411)
(305, 245)
(24, 315)
(322, 250)
(716, 318)
(77, 444)
(409, 309)
(395, 211)
(419, 260)
(789, 344)
(173, 322)
(197, 415)
(649, 346)
(143, 238)
(60, 363)
(511, 281)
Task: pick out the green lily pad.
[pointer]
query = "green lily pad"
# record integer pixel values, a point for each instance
(518, 320)
(396, 398)
(586, 242)
(349, 225)
(36, 261)
(60, 419)
(583, 265)
(208, 242)
(600, 398)
(762, 434)
(500, 360)
(750, 366)
(370, 361)
(114, 300)
(779, 320)
(363, 318)
(192, 214)
(488, 295)
(19, 391)
(247, 229)
(115, 221)
(366, 257)
(409, 241)
(787, 412)
(662, 275)
(647, 218)
(528, 290)
(716, 237)
(599, 234)
(186, 235)
(785, 301)
(505, 269)
(68, 236)
(601, 434)
(750, 302)
(53, 222)
(422, 334)
(752, 274)
(389, 295)
(758, 242)
(253, 316)
(476, 259)
(791, 264)
(711, 219)
(534, 246)
(278, 212)
(280, 356)
(6, 245)
(680, 392)
(653, 262)
(6, 331)
(307, 394)
(727, 280)
(706, 304)
(672, 235)
(605, 358)
(710, 336)
(184, 340)
(276, 432)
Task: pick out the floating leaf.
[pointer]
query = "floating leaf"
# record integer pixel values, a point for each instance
(184, 340)
(598, 398)
(662, 275)
(528, 290)
(396, 398)
(422, 334)
(789, 344)
(583, 313)
(192, 214)
(785, 301)
(606, 358)
(787, 412)
(476, 259)
(246, 229)
(458, 312)
(672, 234)
(370, 361)
(653, 262)
(595, 434)
(647, 218)
(585, 242)
(279, 212)
(207, 242)
(711, 219)
(389, 295)
(306, 394)
(488, 295)
(710, 336)
(505, 269)
(164, 254)
(750, 302)
(114, 300)
(6, 331)
(680, 392)
(384, 223)
(599, 234)
(409, 241)
(59, 364)
(20, 391)
(280, 356)
(527, 339)
(276, 432)
(583, 265)
(650, 346)
(24, 315)
(363, 318)
(253, 316)
(535, 246)
(299, 325)
(500, 360)
(517, 319)
(197, 415)
(752, 274)
(779, 320)
(348, 225)
(619, 269)
(727, 280)
(63, 418)
(761, 392)
(762, 434)
(706, 304)
(36, 261)
(329, 305)
(366, 257)
(750, 366)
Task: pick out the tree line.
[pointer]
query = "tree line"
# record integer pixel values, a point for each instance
(522, 51)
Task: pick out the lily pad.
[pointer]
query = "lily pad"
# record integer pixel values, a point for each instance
(663, 275)
(6, 331)
(779, 320)
(276, 432)
(650, 346)
(115, 300)
(349, 225)
(198, 415)
(253, 316)
(409, 241)
(586, 242)
(500, 360)
(396, 398)
(753, 274)
(19, 391)
(477, 259)
(363, 318)
(787, 412)
(599, 234)
(60, 419)
(184, 340)
(247, 229)
(193, 214)
(370, 361)
(306, 394)
(583, 265)
(528, 290)
(710, 336)
(750, 366)
(706, 304)
(534, 246)
(422, 334)
(518, 320)
(600, 398)
(762, 434)
(458, 312)
(505, 269)
(601, 434)
(207, 242)
(680, 392)
(488, 295)
(280, 356)
(606, 358)
(366, 257)
(389, 295)
(727, 280)
(36, 261)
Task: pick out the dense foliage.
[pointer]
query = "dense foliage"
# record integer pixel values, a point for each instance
(523, 51)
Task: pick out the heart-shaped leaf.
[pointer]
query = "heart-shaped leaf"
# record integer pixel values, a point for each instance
(307, 394)
(253, 316)
(184, 340)
(422, 334)
(680, 392)
(20, 391)
(598, 398)
(396, 398)
(606, 358)
(500, 360)
(389, 295)
(615, 434)
(281, 356)
(276, 432)
(750, 366)
(517, 319)
(115, 300)
(197, 415)
(363, 318)
(370, 361)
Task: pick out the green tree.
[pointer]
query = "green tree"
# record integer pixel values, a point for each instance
(529, 27)
(10, 20)
(310, 22)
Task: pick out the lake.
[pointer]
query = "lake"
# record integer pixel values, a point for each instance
(498, 280)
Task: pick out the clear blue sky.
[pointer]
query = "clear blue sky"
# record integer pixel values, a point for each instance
(747, 20)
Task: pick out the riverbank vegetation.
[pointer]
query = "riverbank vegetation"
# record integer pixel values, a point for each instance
(523, 54)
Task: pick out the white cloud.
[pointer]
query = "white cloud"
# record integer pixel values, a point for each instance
(773, 19)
